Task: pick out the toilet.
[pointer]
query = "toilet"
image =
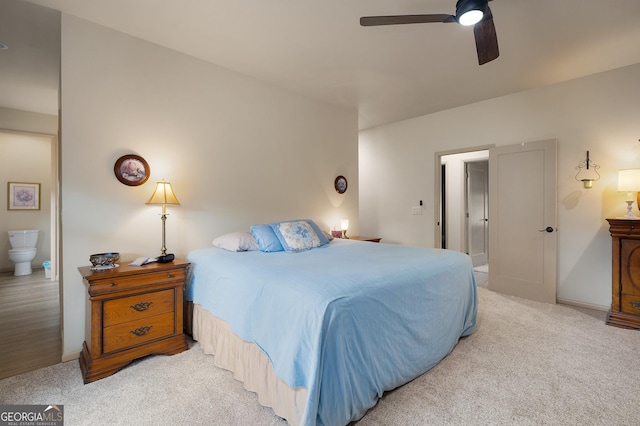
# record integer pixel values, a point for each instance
(23, 250)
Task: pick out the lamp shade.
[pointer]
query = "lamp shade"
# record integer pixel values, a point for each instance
(163, 194)
(629, 180)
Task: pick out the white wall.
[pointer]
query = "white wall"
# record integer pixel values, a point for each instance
(11, 119)
(236, 151)
(598, 113)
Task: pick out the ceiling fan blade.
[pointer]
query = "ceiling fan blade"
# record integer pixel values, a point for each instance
(369, 21)
(486, 40)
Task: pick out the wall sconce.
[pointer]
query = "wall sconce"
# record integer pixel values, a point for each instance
(589, 172)
(163, 195)
(344, 225)
(629, 182)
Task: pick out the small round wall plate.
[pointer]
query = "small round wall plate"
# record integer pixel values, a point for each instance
(340, 184)
(132, 170)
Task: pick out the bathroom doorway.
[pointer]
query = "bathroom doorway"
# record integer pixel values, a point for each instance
(30, 305)
(33, 158)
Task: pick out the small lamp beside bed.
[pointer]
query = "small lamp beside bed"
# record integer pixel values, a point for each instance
(163, 195)
(344, 225)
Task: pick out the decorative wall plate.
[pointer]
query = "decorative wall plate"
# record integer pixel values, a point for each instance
(132, 170)
(340, 184)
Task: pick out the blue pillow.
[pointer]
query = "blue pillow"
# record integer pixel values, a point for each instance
(266, 238)
(289, 245)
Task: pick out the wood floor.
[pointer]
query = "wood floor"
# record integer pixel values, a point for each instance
(30, 332)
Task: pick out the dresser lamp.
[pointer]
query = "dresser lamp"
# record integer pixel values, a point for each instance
(629, 182)
(163, 195)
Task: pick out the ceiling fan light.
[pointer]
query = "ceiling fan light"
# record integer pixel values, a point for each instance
(470, 12)
(471, 17)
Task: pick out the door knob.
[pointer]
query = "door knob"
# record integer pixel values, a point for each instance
(547, 229)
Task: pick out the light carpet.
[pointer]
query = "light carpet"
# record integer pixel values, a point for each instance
(527, 363)
(482, 268)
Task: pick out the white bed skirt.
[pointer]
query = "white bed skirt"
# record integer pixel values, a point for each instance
(249, 365)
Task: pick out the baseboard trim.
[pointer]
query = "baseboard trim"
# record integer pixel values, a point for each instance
(584, 305)
(70, 356)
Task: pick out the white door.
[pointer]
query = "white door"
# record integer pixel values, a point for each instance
(477, 205)
(522, 208)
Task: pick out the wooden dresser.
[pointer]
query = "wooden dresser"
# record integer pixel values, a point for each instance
(132, 312)
(625, 272)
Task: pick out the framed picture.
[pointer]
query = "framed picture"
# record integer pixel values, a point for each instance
(132, 170)
(340, 184)
(23, 196)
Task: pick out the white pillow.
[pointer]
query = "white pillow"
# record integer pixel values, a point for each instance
(236, 241)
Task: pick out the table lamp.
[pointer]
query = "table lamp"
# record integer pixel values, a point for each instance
(344, 225)
(163, 195)
(629, 182)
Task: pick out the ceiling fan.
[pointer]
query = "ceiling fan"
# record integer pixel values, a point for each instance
(468, 12)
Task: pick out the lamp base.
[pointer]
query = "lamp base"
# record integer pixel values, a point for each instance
(166, 258)
(630, 214)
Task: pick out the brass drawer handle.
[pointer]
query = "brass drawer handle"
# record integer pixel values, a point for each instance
(169, 276)
(635, 305)
(142, 306)
(142, 330)
(112, 285)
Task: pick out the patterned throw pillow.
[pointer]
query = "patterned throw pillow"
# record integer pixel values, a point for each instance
(299, 236)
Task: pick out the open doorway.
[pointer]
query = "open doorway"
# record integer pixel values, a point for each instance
(30, 303)
(476, 174)
(461, 198)
(32, 157)
(522, 254)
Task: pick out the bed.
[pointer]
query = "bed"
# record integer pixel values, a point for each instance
(321, 334)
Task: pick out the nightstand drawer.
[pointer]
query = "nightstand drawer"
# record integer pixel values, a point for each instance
(630, 304)
(117, 311)
(132, 333)
(108, 285)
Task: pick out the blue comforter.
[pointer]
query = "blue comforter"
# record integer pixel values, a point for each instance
(347, 321)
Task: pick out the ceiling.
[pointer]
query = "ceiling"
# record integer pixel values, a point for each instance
(390, 73)
(29, 68)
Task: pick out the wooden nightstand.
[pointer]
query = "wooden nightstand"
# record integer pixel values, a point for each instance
(132, 312)
(371, 239)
